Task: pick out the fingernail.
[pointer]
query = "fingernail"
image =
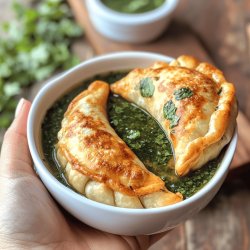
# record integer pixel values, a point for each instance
(19, 106)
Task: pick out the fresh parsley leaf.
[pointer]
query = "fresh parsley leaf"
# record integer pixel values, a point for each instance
(33, 47)
(147, 87)
(11, 89)
(183, 93)
(169, 112)
(5, 70)
(6, 118)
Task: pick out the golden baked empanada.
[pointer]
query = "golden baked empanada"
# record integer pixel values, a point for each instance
(98, 163)
(191, 100)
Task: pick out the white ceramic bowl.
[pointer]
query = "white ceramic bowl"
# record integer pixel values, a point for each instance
(108, 218)
(134, 28)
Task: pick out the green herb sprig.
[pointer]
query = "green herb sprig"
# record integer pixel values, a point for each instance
(33, 48)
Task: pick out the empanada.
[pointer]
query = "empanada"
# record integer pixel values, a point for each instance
(98, 163)
(193, 103)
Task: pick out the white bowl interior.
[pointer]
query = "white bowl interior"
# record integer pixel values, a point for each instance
(107, 218)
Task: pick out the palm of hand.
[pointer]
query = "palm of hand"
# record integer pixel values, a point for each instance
(41, 223)
(34, 218)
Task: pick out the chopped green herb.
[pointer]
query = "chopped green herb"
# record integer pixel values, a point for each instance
(183, 93)
(169, 112)
(147, 87)
(141, 133)
(190, 184)
(219, 92)
(133, 134)
(33, 48)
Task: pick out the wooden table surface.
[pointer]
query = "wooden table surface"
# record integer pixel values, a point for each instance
(218, 32)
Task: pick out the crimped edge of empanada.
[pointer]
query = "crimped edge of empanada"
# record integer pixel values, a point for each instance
(101, 193)
(222, 122)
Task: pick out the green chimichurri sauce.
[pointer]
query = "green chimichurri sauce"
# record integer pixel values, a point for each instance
(133, 6)
(141, 133)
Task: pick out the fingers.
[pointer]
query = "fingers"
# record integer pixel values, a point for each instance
(156, 237)
(15, 157)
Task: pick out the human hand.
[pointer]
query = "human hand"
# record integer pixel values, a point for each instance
(30, 218)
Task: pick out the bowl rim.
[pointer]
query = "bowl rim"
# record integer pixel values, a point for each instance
(42, 169)
(132, 19)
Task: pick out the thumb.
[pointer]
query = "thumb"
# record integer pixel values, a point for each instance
(15, 157)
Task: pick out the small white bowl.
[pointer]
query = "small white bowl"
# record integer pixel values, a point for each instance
(134, 28)
(111, 219)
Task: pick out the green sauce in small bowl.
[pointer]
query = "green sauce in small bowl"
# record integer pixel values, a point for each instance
(133, 6)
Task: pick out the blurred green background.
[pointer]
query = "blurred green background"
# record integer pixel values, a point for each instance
(34, 45)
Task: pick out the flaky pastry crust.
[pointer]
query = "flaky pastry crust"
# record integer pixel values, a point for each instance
(98, 163)
(206, 119)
